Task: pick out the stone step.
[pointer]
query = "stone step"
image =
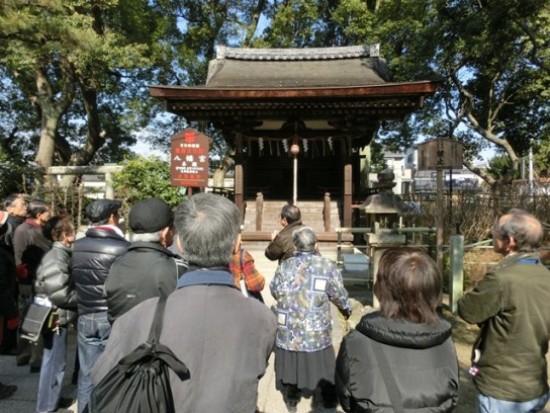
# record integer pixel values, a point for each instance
(312, 215)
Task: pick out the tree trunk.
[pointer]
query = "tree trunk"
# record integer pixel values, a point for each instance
(51, 110)
(95, 138)
(46, 146)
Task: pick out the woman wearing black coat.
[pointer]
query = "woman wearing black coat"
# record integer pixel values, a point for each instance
(408, 333)
(54, 285)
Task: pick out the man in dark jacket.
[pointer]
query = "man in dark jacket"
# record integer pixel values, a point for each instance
(512, 306)
(15, 207)
(224, 338)
(29, 246)
(147, 269)
(281, 246)
(93, 256)
(8, 306)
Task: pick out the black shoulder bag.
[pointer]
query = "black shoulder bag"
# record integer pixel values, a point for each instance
(140, 382)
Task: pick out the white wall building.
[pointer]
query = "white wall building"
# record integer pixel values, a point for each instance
(403, 174)
(408, 179)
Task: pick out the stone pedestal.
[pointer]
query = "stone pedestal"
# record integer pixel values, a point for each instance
(377, 244)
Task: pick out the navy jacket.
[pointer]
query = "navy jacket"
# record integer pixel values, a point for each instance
(93, 256)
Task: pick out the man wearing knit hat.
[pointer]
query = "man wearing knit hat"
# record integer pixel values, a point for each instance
(148, 269)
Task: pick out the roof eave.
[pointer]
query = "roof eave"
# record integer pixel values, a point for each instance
(382, 90)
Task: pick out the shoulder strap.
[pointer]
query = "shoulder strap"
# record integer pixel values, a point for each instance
(156, 327)
(241, 254)
(153, 346)
(242, 281)
(389, 381)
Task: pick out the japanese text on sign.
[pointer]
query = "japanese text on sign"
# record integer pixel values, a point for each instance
(189, 159)
(440, 154)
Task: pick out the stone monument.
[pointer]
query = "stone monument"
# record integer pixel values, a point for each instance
(382, 212)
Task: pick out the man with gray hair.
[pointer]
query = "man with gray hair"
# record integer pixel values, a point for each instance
(224, 338)
(512, 306)
(147, 269)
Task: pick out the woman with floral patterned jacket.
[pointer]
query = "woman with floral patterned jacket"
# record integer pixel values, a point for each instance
(304, 286)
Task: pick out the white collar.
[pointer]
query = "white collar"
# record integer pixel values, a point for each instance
(116, 229)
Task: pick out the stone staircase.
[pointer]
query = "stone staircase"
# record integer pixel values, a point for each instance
(312, 215)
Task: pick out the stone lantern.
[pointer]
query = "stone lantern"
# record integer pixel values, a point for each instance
(381, 212)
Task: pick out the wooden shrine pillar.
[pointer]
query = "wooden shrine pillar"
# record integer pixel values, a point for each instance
(348, 186)
(239, 174)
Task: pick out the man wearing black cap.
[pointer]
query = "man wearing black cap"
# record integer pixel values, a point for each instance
(93, 256)
(147, 269)
(224, 338)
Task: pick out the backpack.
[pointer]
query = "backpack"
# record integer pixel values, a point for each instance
(140, 382)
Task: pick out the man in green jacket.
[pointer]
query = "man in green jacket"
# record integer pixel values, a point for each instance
(511, 304)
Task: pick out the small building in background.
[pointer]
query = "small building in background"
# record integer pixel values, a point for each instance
(409, 179)
(403, 173)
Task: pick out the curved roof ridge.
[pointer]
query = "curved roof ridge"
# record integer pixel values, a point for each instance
(313, 53)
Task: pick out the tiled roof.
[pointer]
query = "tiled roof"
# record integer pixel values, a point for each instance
(295, 68)
(313, 53)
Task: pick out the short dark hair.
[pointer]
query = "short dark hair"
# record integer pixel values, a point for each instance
(408, 285)
(35, 207)
(523, 227)
(291, 213)
(56, 226)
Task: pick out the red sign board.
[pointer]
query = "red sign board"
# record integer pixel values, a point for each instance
(189, 159)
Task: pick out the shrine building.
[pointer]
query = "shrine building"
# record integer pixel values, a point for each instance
(299, 121)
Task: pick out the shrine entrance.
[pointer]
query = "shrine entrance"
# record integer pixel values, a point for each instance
(298, 119)
(270, 170)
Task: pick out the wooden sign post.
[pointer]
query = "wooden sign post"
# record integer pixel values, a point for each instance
(439, 154)
(189, 160)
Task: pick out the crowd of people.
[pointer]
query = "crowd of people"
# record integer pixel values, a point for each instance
(400, 357)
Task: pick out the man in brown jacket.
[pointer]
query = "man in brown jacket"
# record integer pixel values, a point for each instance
(281, 246)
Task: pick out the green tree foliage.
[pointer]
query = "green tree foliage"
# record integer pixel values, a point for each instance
(294, 23)
(81, 63)
(492, 57)
(378, 162)
(542, 158)
(146, 177)
(500, 165)
(83, 67)
(13, 175)
(201, 25)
